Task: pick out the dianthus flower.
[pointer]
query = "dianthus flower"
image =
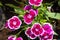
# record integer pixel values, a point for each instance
(13, 23)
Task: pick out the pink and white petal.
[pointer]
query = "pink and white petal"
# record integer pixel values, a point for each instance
(47, 25)
(19, 22)
(36, 29)
(39, 1)
(32, 12)
(6, 24)
(28, 22)
(14, 19)
(19, 38)
(29, 33)
(9, 24)
(31, 2)
(28, 18)
(27, 7)
(36, 12)
(12, 37)
(45, 36)
(37, 4)
(50, 37)
(48, 28)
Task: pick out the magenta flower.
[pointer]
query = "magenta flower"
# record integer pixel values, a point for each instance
(48, 28)
(35, 2)
(29, 33)
(33, 12)
(14, 23)
(46, 36)
(6, 24)
(27, 7)
(19, 38)
(28, 18)
(37, 29)
(12, 37)
(48, 32)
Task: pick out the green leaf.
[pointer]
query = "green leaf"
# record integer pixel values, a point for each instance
(1, 4)
(43, 21)
(28, 38)
(55, 33)
(53, 15)
(11, 5)
(59, 2)
(19, 11)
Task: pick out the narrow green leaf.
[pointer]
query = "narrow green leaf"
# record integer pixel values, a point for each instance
(11, 5)
(59, 2)
(28, 38)
(55, 33)
(19, 11)
(1, 4)
(53, 15)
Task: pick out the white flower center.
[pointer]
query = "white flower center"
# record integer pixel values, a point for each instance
(36, 29)
(46, 37)
(35, 0)
(14, 22)
(29, 16)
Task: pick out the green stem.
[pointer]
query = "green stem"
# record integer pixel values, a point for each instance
(20, 32)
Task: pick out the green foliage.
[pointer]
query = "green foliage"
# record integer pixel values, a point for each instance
(11, 5)
(59, 2)
(55, 33)
(53, 15)
(1, 4)
(19, 11)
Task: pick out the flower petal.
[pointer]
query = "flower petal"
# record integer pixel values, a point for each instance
(14, 23)
(33, 12)
(27, 7)
(31, 2)
(48, 28)
(28, 18)
(29, 33)
(37, 29)
(35, 2)
(19, 38)
(12, 37)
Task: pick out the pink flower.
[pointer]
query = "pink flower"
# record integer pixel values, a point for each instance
(12, 37)
(27, 7)
(28, 18)
(29, 33)
(48, 28)
(48, 32)
(46, 36)
(6, 24)
(19, 38)
(33, 12)
(35, 2)
(37, 29)
(14, 23)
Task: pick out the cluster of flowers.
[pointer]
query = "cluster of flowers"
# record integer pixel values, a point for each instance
(12, 37)
(14, 23)
(29, 16)
(44, 32)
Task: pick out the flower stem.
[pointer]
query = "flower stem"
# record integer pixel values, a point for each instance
(20, 32)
